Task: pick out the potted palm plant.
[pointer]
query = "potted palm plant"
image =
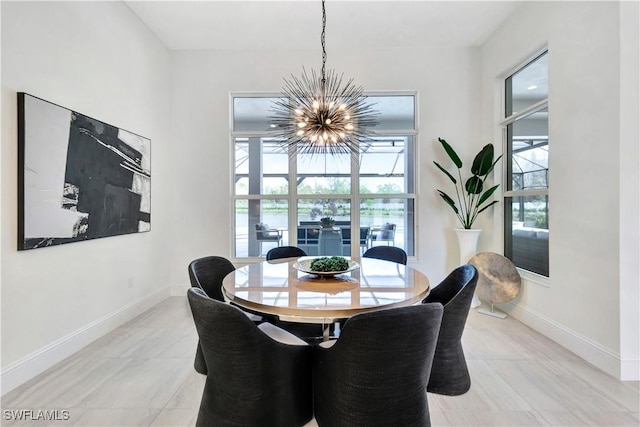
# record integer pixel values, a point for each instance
(471, 195)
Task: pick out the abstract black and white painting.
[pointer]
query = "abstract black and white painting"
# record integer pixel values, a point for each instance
(79, 178)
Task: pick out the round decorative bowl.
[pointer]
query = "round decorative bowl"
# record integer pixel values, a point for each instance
(304, 265)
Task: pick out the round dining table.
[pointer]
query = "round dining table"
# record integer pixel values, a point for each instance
(278, 288)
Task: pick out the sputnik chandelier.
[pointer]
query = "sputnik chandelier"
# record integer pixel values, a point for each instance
(317, 115)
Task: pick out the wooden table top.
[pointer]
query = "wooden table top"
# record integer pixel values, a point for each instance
(277, 288)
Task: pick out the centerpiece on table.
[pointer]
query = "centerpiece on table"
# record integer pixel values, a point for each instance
(326, 266)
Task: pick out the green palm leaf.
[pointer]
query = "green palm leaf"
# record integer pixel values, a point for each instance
(494, 163)
(446, 172)
(487, 194)
(473, 185)
(451, 152)
(449, 201)
(483, 162)
(488, 206)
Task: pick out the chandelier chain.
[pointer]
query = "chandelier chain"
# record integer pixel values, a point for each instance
(324, 50)
(317, 114)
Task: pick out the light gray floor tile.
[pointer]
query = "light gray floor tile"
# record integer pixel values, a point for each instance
(189, 393)
(129, 343)
(547, 386)
(606, 384)
(176, 417)
(489, 392)
(488, 418)
(70, 386)
(101, 417)
(142, 374)
(592, 418)
(143, 383)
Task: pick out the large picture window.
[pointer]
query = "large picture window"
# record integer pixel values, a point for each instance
(526, 220)
(279, 199)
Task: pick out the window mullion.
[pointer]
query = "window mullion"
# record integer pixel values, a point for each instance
(538, 106)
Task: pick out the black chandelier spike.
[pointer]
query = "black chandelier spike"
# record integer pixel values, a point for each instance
(318, 115)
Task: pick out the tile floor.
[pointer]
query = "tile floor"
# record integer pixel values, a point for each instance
(142, 374)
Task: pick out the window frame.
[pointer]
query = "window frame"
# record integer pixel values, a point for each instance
(508, 194)
(355, 196)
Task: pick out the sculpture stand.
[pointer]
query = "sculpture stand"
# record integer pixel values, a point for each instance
(468, 245)
(499, 314)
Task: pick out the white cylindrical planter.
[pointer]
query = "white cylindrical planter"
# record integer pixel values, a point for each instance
(468, 245)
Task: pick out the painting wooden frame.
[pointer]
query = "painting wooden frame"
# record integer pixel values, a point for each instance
(78, 178)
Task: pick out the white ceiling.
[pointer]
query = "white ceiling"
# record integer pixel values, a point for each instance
(356, 24)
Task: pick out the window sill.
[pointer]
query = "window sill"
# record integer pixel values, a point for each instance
(532, 277)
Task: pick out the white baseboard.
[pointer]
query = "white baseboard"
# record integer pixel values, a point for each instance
(40, 360)
(630, 370)
(589, 350)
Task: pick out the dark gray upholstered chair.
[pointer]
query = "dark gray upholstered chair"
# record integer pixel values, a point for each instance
(376, 373)
(387, 253)
(285, 252)
(253, 379)
(207, 273)
(450, 375)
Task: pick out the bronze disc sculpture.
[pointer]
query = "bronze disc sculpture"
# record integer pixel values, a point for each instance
(498, 280)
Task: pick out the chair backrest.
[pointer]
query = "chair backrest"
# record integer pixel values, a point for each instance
(261, 230)
(207, 273)
(387, 253)
(450, 374)
(285, 252)
(346, 235)
(251, 379)
(456, 289)
(364, 235)
(454, 293)
(377, 371)
(387, 231)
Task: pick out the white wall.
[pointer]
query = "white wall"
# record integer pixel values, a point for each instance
(581, 306)
(447, 83)
(98, 59)
(630, 189)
